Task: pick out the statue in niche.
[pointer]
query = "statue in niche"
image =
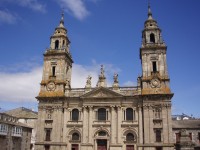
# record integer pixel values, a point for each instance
(67, 86)
(49, 116)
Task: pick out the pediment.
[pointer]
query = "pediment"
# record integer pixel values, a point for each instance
(101, 93)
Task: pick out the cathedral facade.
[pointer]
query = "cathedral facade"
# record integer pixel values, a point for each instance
(102, 117)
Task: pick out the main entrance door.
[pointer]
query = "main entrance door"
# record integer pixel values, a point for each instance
(74, 146)
(129, 147)
(101, 144)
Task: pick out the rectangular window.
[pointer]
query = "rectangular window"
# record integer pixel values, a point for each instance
(54, 71)
(48, 135)
(177, 137)
(190, 135)
(154, 66)
(3, 128)
(17, 131)
(158, 135)
(102, 114)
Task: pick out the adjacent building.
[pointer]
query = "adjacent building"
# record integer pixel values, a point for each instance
(13, 134)
(29, 118)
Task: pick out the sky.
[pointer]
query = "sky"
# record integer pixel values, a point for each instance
(104, 32)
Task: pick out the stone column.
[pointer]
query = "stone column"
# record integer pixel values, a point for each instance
(165, 61)
(79, 117)
(90, 125)
(151, 130)
(162, 65)
(146, 124)
(165, 125)
(170, 124)
(113, 135)
(85, 131)
(140, 125)
(144, 61)
(119, 121)
(66, 119)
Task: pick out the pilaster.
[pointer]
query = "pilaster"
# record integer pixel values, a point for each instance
(119, 121)
(85, 125)
(90, 120)
(140, 120)
(113, 125)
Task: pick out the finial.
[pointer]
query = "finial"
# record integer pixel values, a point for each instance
(102, 71)
(116, 82)
(62, 17)
(149, 9)
(102, 79)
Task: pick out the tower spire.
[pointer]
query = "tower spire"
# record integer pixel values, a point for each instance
(62, 19)
(149, 11)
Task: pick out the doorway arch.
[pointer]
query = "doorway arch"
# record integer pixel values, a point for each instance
(101, 139)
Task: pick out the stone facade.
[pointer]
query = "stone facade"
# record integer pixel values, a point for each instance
(27, 117)
(192, 131)
(101, 117)
(13, 134)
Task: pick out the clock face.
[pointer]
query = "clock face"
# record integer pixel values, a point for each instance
(155, 83)
(51, 86)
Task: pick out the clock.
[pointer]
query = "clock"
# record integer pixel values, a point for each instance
(51, 86)
(155, 83)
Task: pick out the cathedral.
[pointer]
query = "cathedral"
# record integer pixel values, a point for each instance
(102, 117)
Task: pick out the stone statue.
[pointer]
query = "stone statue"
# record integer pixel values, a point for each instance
(67, 86)
(115, 78)
(116, 82)
(88, 82)
(102, 71)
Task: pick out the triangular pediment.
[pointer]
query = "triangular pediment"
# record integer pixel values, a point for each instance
(101, 92)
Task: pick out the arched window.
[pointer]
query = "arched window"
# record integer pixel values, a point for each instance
(152, 38)
(56, 44)
(75, 136)
(75, 114)
(102, 133)
(129, 137)
(63, 42)
(102, 114)
(129, 114)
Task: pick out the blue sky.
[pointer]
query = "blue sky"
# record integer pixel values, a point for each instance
(101, 32)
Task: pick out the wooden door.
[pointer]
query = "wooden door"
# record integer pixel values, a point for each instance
(74, 146)
(129, 147)
(101, 144)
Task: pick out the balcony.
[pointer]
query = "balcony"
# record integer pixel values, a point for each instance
(3, 132)
(74, 123)
(98, 123)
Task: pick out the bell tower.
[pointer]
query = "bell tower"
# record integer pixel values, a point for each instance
(57, 64)
(155, 79)
(156, 126)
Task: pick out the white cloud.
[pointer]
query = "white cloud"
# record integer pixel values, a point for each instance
(76, 7)
(129, 83)
(80, 73)
(7, 17)
(24, 86)
(33, 4)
